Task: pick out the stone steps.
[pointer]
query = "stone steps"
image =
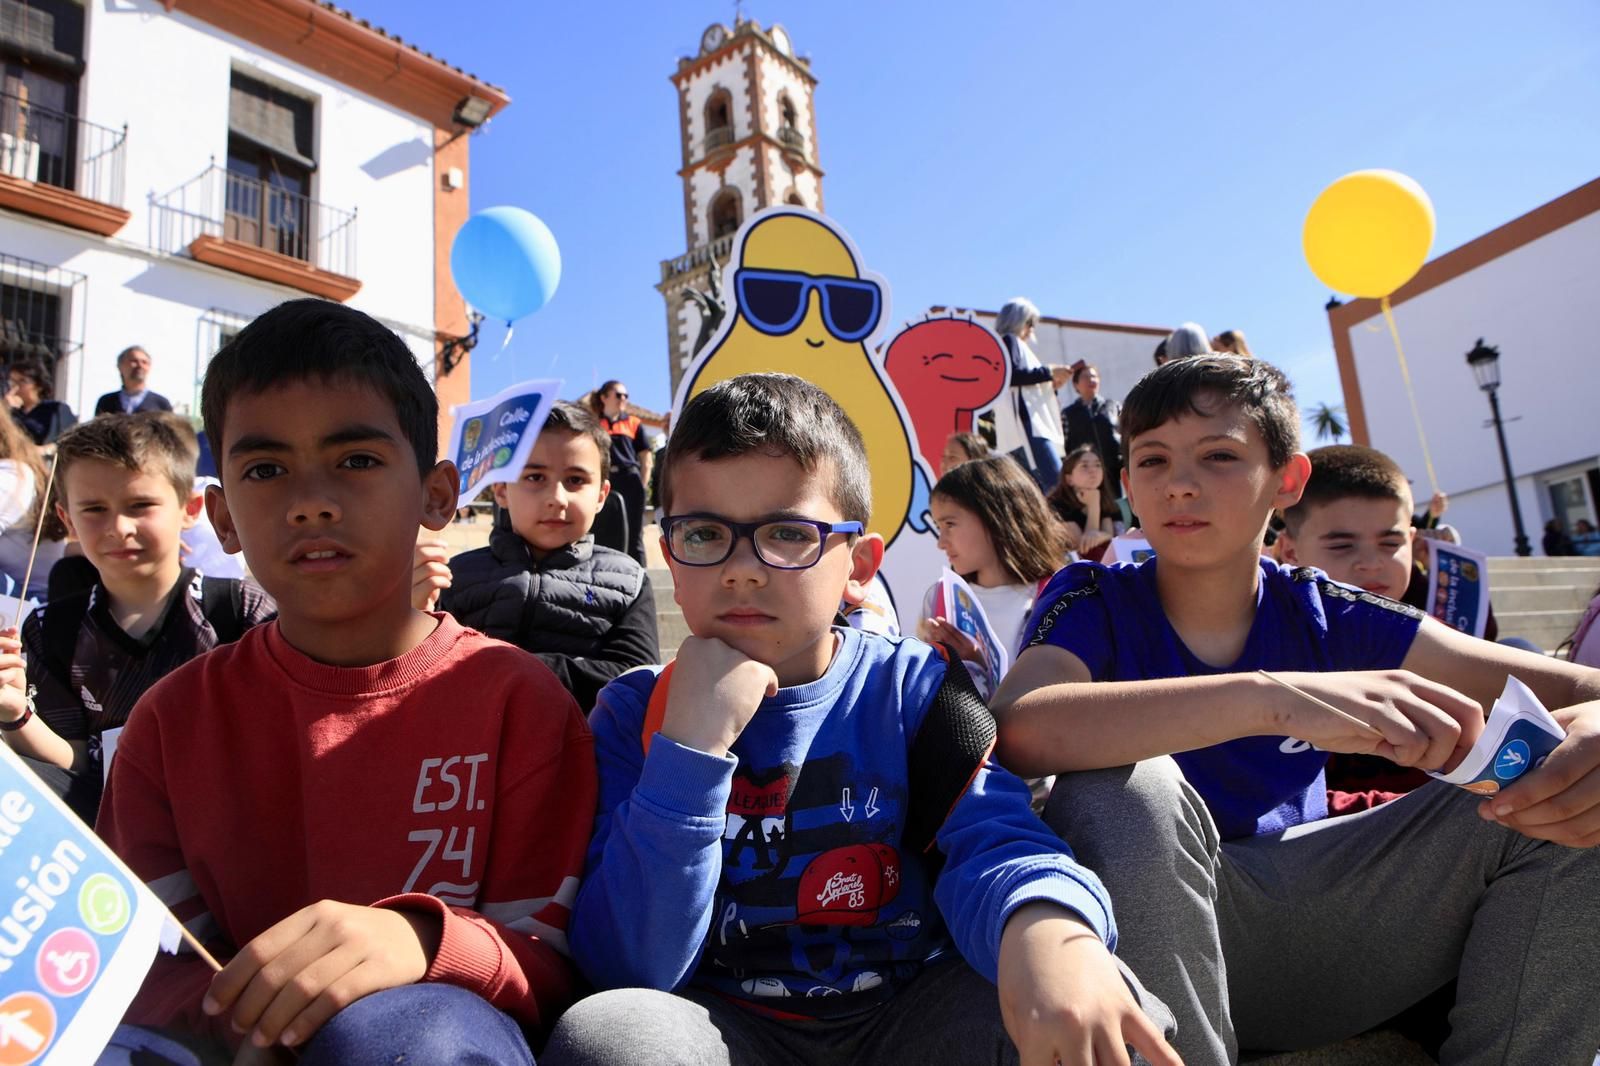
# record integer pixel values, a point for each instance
(1539, 598)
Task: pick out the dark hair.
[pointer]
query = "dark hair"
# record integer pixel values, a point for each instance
(975, 446)
(152, 442)
(1026, 537)
(1081, 369)
(1064, 496)
(777, 415)
(597, 403)
(39, 374)
(1179, 388)
(318, 340)
(580, 420)
(1161, 352)
(1341, 471)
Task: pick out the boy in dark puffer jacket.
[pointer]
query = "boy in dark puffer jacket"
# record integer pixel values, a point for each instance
(542, 583)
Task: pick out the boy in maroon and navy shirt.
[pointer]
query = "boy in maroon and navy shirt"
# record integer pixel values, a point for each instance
(377, 816)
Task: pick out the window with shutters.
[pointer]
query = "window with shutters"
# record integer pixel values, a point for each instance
(270, 163)
(41, 62)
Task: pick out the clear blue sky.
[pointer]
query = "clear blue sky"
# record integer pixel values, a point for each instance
(1144, 164)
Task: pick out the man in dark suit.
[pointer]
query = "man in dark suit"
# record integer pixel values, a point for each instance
(134, 366)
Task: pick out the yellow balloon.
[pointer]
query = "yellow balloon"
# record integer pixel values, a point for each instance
(1368, 233)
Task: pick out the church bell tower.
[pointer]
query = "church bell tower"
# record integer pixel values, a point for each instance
(749, 140)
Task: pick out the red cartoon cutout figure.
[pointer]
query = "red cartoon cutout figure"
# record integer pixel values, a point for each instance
(945, 369)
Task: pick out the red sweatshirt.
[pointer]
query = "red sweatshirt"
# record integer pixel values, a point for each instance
(458, 779)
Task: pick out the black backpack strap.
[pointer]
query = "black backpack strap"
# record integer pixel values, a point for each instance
(957, 736)
(61, 620)
(222, 604)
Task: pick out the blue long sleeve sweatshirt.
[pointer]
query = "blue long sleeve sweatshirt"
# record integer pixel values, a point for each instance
(774, 875)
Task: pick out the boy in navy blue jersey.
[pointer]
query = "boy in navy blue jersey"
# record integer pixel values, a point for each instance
(1262, 923)
(751, 894)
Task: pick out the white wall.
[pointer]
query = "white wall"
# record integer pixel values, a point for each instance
(1121, 357)
(167, 76)
(1535, 304)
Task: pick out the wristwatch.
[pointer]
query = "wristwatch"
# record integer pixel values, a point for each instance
(27, 713)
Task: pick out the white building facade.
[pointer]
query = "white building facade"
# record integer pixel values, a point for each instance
(1122, 354)
(168, 171)
(1528, 289)
(749, 141)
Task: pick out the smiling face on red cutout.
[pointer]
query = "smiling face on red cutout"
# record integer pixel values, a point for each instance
(945, 369)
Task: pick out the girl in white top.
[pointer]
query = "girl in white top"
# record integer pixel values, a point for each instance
(22, 477)
(1000, 536)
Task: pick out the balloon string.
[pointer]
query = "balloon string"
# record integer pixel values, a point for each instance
(1411, 393)
(510, 329)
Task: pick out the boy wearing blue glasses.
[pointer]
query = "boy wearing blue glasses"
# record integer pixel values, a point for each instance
(753, 892)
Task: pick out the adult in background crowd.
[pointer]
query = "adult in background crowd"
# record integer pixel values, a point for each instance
(1026, 424)
(1162, 358)
(134, 396)
(1188, 339)
(1556, 541)
(1231, 342)
(631, 457)
(31, 394)
(1092, 419)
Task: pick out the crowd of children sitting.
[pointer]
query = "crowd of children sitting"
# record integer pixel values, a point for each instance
(410, 840)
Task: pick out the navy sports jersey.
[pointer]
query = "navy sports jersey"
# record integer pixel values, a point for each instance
(1111, 618)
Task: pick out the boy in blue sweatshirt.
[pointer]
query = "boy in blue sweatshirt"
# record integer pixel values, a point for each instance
(1262, 922)
(749, 898)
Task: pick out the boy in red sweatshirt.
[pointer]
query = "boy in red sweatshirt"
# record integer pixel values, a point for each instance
(375, 816)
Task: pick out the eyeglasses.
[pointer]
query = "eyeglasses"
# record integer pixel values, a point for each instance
(775, 302)
(783, 544)
(620, 395)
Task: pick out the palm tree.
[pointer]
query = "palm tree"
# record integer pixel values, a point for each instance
(1329, 421)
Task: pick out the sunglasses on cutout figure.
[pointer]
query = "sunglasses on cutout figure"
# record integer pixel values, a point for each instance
(775, 302)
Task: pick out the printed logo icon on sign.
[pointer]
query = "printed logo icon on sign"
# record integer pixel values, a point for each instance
(67, 962)
(1512, 761)
(27, 1026)
(103, 905)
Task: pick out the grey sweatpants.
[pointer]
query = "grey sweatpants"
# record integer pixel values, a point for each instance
(949, 1014)
(1317, 933)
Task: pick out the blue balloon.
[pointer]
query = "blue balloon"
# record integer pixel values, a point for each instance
(506, 262)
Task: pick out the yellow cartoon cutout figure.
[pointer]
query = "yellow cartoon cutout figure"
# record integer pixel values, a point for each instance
(802, 304)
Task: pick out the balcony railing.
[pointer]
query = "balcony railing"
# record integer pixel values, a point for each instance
(244, 210)
(50, 147)
(790, 137)
(720, 137)
(697, 257)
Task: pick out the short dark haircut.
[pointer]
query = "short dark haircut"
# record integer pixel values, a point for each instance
(152, 442)
(975, 446)
(777, 415)
(1161, 351)
(39, 374)
(1342, 471)
(1081, 369)
(571, 418)
(318, 340)
(1180, 387)
(129, 350)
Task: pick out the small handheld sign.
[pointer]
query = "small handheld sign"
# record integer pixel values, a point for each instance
(1458, 587)
(491, 438)
(77, 932)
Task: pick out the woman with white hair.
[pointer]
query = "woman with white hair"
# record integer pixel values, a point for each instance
(1026, 422)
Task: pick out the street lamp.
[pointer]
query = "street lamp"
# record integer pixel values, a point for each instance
(1485, 363)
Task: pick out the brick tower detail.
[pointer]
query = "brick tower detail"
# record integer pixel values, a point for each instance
(748, 136)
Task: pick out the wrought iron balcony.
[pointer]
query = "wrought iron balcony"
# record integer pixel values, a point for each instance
(695, 258)
(792, 138)
(43, 150)
(229, 219)
(720, 137)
